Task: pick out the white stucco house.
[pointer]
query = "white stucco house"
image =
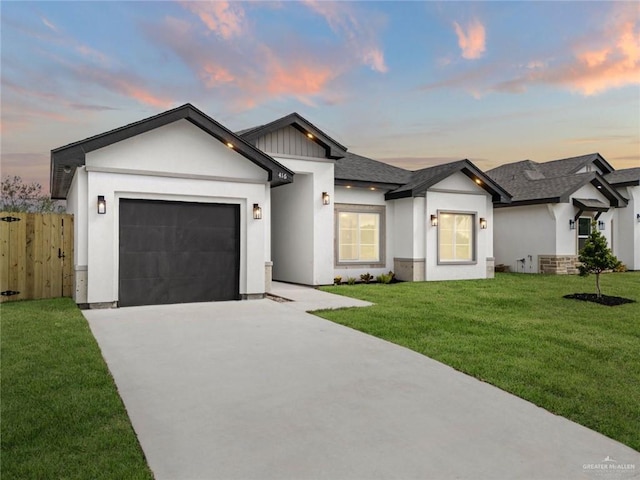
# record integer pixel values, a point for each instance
(549, 217)
(177, 208)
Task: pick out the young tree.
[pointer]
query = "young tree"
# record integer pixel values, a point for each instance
(17, 196)
(596, 256)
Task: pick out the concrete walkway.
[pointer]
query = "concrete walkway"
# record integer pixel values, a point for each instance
(260, 390)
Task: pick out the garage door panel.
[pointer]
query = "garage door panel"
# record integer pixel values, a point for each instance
(173, 252)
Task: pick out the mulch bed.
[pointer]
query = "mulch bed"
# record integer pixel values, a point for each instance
(603, 300)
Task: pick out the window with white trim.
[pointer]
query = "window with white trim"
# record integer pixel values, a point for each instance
(456, 242)
(360, 233)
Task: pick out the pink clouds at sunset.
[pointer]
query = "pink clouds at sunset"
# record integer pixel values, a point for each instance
(423, 81)
(471, 40)
(221, 17)
(358, 31)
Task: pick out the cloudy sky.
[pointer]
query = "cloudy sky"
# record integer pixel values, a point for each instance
(411, 83)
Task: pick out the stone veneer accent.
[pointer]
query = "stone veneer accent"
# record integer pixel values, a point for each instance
(268, 272)
(558, 264)
(491, 267)
(409, 269)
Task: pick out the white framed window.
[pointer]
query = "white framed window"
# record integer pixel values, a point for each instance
(456, 237)
(359, 235)
(584, 229)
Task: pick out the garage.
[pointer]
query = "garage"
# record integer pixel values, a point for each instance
(178, 252)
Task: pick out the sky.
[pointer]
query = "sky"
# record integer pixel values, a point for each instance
(413, 84)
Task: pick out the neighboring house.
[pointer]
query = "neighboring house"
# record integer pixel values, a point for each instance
(549, 217)
(626, 237)
(177, 208)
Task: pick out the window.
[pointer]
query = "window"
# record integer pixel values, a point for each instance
(584, 229)
(360, 230)
(456, 242)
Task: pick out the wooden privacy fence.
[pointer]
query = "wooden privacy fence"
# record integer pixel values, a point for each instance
(36, 255)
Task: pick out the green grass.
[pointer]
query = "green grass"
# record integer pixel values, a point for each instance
(577, 359)
(61, 413)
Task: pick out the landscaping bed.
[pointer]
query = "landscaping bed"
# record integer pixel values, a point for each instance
(607, 300)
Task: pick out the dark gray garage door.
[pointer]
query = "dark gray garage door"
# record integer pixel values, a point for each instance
(176, 252)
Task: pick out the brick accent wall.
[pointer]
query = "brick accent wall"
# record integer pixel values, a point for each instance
(558, 264)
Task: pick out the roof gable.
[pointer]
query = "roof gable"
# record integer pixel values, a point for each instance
(627, 177)
(422, 180)
(64, 160)
(332, 148)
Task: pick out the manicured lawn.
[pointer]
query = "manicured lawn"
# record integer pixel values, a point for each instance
(61, 414)
(577, 359)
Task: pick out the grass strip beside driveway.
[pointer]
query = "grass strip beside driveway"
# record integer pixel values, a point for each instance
(575, 359)
(62, 416)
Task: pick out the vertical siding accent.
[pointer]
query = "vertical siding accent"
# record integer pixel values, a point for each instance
(289, 141)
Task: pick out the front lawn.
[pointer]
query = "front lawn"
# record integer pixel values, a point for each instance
(576, 359)
(61, 413)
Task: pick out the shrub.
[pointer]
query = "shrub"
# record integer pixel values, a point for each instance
(337, 280)
(351, 280)
(366, 277)
(384, 278)
(596, 256)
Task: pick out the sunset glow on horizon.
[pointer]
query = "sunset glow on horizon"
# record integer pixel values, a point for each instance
(414, 84)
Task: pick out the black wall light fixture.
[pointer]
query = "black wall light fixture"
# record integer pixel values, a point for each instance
(257, 212)
(326, 198)
(483, 223)
(102, 205)
(572, 224)
(434, 220)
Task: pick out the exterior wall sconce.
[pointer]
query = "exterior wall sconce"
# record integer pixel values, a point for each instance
(434, 220)
(600, 225)
(572, 224)
(326, 198)
(102, 205)
(638, 217)
(257, 212)
(483, 223)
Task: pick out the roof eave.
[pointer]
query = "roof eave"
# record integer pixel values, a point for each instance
(73, 155)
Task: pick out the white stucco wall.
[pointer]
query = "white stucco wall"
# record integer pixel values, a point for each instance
(533, 230)
(627, 229)
(207, 172)
(524, 232)
(365, 196)
(302, 229)
(458, 193)
(177, 149)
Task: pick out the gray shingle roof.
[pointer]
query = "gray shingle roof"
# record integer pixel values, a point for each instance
(362, 169)
(552, 182)
(567, 166)
(624, 177)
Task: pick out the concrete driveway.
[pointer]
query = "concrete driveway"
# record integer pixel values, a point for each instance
(262, 390)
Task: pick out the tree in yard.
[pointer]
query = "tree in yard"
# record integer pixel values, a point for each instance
(596, 256)
(17, 196)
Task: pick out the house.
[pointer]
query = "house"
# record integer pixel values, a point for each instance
(177, 208)
(549, 217)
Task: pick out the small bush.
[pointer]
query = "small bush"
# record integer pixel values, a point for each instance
(337, 280)
(384, 278)
(366, 277)
(351, 280)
